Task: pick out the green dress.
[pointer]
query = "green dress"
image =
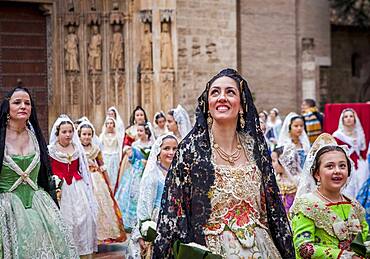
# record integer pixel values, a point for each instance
(30, 223)
(326, 230)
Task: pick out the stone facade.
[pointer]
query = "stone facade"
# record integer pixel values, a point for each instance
(207, 42)
(349, 75)
(158, 53)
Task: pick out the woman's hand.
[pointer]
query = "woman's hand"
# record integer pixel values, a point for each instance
(59, 195)
(143, 246)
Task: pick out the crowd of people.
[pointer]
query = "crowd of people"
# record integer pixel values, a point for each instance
(234, 184)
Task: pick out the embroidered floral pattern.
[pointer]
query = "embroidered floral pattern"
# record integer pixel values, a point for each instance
(315, 209)
(306, 251)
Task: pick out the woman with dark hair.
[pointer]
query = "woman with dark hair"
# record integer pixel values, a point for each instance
(159, 122)
(128, 184)
(26, 209)
(324, 221)
(292, 132)
(220, 191)
(178, 122)
(138, 116)
(351, 134)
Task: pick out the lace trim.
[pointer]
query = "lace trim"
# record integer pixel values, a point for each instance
(93, 153)
(24, 175)
(63, 157)
(324, 218)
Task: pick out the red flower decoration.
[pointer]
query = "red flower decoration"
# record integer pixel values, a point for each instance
(306, 251)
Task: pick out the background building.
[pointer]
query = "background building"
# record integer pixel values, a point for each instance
(82, 56)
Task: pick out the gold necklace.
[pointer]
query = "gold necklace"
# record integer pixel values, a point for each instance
(19, 131)
(327, 199)
(231, 158)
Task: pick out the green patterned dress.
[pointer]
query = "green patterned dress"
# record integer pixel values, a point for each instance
(326, 230)
(30, 223)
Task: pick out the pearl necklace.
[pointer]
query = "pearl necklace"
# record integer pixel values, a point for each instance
(327, 199)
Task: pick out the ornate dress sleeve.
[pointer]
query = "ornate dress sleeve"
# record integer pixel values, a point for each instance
(173, 222)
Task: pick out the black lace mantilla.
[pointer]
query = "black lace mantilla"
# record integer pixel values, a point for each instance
(185, 206)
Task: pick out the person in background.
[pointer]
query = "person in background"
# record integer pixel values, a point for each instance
(292, 131)
(285, 161)
(159, 123)
(313, 119)
(77, 204)
(351, 133)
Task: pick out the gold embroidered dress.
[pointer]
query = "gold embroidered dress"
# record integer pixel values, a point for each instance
(109, 219)
(237, 224)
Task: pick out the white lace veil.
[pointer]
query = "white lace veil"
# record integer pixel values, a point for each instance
(119, 134)
(119, 122)
(307, 183)
(289, 159)
(154, 152)
(182, 119)
(278, 120)
(360, 136)
(83, 164)
(284, 136)
(85, 121)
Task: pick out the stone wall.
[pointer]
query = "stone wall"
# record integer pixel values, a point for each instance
(207, 42)
(346, 85)
(268, 53)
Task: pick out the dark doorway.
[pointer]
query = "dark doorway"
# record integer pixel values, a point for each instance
(23, 53)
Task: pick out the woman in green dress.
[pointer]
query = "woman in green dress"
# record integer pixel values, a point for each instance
(324, 221)
(30, 223)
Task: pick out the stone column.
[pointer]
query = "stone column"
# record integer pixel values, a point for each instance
(95, 91)
(308, 69)
(167, 74)
(146, 63)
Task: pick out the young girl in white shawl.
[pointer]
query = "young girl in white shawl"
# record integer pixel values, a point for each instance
(292, 132)
(151, 189)
(77, 204)
(109, 218)
(351, 133)
(178, 122)
(111, 147)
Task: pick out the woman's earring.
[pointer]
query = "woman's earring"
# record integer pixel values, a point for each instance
(209, 120)
(318, 183)
(7, 118)
(241, 119)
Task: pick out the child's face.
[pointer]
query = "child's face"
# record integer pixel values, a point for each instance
(333, 171)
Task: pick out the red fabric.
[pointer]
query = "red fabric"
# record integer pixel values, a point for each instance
(66, 171)
(354, 155)
(128, 140)
(333, 111)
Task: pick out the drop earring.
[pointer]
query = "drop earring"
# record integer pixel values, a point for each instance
(209, 120)
(241, 119)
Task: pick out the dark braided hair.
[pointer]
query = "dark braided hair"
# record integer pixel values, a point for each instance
(44, 177)
(317, 162)
(132, 118)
